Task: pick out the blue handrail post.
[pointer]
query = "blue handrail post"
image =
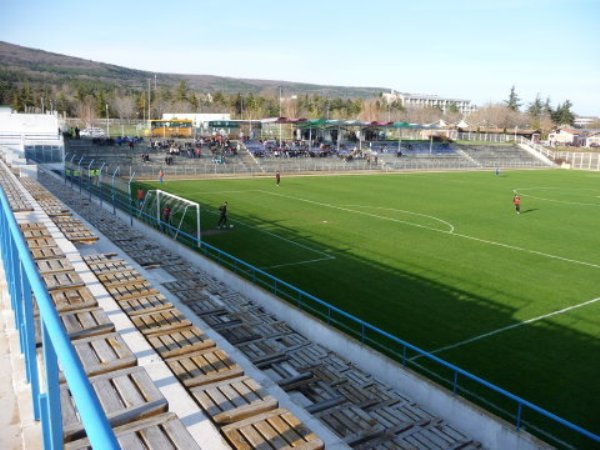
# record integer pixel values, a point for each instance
(455, 384)
(30, 352)
(519, 412)
(52, 430)
(20, 303)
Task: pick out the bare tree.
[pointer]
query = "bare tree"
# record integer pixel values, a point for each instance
(85, 110)
(124, 106)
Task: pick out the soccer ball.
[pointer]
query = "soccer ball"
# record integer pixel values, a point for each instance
(231, 226)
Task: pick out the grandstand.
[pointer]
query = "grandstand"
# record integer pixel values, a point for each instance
(255, 158)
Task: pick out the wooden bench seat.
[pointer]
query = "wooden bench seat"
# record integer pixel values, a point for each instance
(52, 265)
(233, 399)
(162, 432)
(351, 423)
(82, 323)
(73, 299)
(103, 353)
(145, 305)
(62, 280)
(160, 321)
(125, 395)
(278, 429)
(204, 367)
(178, 342)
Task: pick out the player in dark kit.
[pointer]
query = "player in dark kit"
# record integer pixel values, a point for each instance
(277, 178)
(223, 215)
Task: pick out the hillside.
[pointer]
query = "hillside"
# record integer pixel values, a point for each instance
(22, 64)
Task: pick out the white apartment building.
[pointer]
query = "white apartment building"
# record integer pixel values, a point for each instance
(430, 101)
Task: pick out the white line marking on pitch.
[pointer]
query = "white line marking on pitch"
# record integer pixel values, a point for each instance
(297, 244)
(511, 327)
(376, 216)
(310, 261)
(437, 230)
(437, 219)
(565, 202)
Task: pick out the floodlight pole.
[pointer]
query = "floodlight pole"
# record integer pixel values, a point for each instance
(280, 132)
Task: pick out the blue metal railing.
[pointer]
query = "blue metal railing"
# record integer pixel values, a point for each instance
(23, 279)
(333, 315)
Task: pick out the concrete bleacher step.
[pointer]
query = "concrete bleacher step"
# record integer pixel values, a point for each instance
(234, 399)
(162, 432)
(277, 429)
(103, 353)
(172, 343)
(204, 367)
(125, 395)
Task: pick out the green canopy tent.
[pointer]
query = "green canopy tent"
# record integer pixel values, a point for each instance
(400, 126)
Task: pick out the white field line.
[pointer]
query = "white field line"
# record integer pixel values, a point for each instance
(449, 233)
(437, 219)
(325, 256)
(310, 261)
(363, 213)
(522, 191)
(510, 327)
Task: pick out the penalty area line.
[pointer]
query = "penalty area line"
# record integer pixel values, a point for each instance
(509, 327)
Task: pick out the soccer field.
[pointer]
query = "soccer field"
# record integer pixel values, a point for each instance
(442, 261)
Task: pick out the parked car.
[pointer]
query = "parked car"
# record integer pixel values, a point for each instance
(92, 132)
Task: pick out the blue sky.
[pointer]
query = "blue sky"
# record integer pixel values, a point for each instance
(462, 48)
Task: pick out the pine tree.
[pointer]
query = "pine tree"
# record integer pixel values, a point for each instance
(513, 103)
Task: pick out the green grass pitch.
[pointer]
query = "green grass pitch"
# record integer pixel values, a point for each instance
(442, 261)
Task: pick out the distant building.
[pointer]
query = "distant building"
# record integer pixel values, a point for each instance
(593, 140)
(584, 122)
(567, 136)
(430, 101)
(200, 120)
(31, 138)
